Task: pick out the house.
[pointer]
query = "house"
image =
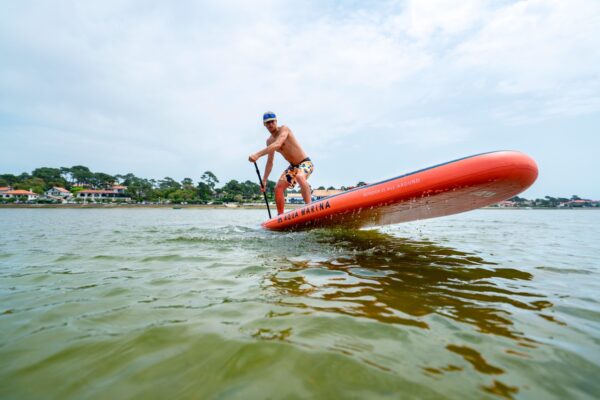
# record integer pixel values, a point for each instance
(577, 203)
(319, 194)
(58, 192)
(294, 198)
(119, 189)
(507, 203)
(4, 189)
(114, 194)
(25, 195)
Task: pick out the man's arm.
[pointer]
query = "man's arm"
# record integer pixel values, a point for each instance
(276, 145)
(268, 169)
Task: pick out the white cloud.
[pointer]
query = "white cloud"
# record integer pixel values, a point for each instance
(424, 19)
(540, 48)
(430, 132)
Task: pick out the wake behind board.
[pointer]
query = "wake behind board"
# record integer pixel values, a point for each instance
(450, 188)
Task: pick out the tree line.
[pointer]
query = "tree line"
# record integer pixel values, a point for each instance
(547, 201)
(80, 177)
(205, 189)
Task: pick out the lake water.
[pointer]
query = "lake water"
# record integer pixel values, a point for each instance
(198, 303)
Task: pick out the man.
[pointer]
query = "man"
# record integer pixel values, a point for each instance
(283, 141)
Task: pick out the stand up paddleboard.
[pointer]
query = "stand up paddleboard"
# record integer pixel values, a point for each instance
(454, 187)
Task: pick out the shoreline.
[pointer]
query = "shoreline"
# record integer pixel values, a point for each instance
(117, 206)
(229, 207)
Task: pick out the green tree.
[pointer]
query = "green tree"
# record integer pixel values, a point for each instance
(81, 174)
(168, 183)
(231, 189)
(36, 185)
(203, 191)
(250, 190)
(552, 202)
(100, 179)
(65, 173)
(138, 189)
(76, 189)
(8, 179)
(50, 176)
(271, 190)
(181, 195)
(187, 183)
(210, 179)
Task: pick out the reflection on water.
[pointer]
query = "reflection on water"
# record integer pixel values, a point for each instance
(401, 281)
(398, 280)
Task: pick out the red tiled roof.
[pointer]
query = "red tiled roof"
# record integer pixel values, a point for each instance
(4, 188)
(20, 192)
(119, 187)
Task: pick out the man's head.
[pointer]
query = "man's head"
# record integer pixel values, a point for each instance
(270, 121)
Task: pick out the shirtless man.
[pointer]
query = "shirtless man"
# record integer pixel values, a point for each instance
(283, 141)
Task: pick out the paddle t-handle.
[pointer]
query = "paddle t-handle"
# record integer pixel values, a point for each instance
(260, 182)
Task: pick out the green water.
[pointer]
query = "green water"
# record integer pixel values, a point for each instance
(192, 303)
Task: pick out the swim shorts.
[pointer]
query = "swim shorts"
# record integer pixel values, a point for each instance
(290, 172)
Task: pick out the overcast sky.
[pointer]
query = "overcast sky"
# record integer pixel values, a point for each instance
(372, 89)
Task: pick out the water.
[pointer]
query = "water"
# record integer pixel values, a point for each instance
(194, 303)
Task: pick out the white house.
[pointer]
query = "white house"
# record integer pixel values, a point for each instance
(58, 192)
(114, 194)
(19, 194)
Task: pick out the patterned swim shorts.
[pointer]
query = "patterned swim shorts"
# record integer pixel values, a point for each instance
(306, 166)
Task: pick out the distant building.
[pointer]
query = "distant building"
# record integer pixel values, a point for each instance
(19, 194)
(58, 192)
(294, 198)
(579, 203)
(319, 194)
(119, 189)
(507, 203)
(4, 189)
(114, 194)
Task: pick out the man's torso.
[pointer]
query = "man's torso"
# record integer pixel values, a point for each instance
(290, 149)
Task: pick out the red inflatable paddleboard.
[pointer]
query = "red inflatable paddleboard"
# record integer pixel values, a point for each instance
(453, 187)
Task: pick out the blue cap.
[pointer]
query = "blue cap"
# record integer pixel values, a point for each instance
(269, 116)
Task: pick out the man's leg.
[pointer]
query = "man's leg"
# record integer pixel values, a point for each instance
(304, 186)
(279, 199)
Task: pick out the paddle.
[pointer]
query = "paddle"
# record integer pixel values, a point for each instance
(261, 185)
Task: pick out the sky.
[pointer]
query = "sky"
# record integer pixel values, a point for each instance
(372, 89)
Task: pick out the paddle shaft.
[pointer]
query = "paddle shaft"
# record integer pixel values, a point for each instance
(261, 185)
